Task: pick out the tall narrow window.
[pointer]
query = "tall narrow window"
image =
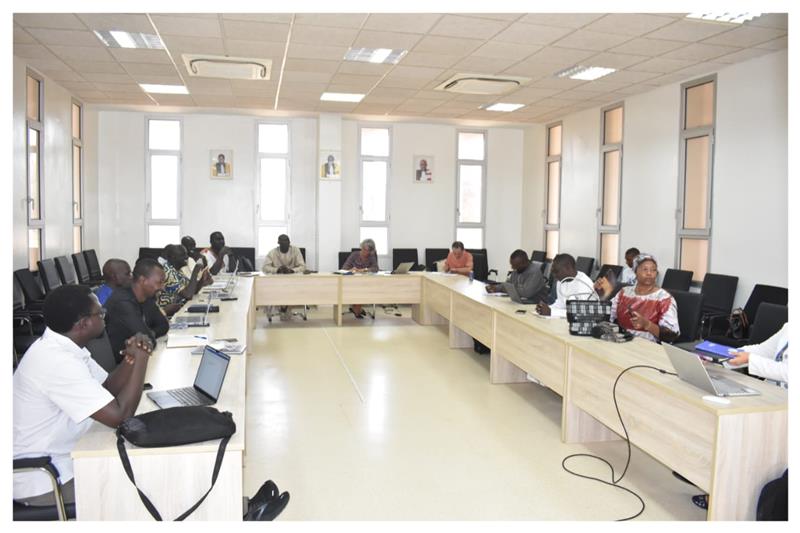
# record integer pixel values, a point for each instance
(696, 175)
(77, 177)
(272, 204)
(552, 214)
(610, 184)
(34, 136)
(375, 154)
(163, 182)
(471, 200)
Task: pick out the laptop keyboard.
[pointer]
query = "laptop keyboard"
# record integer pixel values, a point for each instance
(189, 396)
(724, 385)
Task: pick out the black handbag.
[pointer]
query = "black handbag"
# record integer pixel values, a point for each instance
(173, 427)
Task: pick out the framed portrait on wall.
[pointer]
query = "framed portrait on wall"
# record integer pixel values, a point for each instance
(329, 166)
(221, 164)
(423, 169)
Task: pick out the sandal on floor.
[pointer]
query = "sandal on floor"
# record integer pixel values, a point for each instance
(701, 500)
(273, 508)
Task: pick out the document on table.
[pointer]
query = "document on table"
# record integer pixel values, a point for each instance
(230, 348)
(500, 294)
(185, 341)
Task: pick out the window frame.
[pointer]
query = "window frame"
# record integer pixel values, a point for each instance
(603, 229)
(287, 156)
(149, 220)
(386, 223)
(78, 142)
(547, 160)
(38, 125)
(684, 135)
(484, 164)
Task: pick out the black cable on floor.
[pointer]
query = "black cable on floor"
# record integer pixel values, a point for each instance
(614, 482)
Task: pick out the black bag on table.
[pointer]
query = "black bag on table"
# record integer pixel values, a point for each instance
(773, 502)
(175, 426)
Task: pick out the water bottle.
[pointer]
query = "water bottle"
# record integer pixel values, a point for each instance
(471, 276)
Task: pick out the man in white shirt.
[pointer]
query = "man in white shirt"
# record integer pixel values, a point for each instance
(285, 259)
(59, 389)
(770, 359)
(572, 285)
(219, 255)
(628, 276)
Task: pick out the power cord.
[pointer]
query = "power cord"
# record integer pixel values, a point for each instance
(614, 482)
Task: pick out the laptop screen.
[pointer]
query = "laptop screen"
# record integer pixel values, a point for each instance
(211, 373)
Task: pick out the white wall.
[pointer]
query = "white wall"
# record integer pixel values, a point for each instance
(749, 206)
(504, 197)
(533, 187)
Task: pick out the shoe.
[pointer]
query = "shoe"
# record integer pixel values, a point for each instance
(363, 313)
(701, 500)
(273, 508)
(267, 492)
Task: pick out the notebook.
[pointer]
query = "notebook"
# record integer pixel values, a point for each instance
(717, 351)
(207, 383)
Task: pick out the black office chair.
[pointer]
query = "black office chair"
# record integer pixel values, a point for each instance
(102, 353)
(769, 318)
(93, 264)
(27, 325)
(66, 271)
(49, 274)
(480, 266)
(615, 269)
(584, 264)
(761, 293)
(676, 279)
(303, 253)
(58, 511)
(538, 255)
(149, 253)
(406, 255)
(433, 255)
(690, 305)
(82, 271)
(247, 252)
(31, 290)
(718, 291)
(342, 258)
(539, 265)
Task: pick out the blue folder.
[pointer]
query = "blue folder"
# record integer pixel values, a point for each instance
(715, 350)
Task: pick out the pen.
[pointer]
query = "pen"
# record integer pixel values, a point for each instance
(201, 337)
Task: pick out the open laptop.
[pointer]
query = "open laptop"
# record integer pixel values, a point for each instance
(194, 321)
(403, 268)
(692, 370)
(207, 383)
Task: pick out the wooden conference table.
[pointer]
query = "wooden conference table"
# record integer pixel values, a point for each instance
(729, 451)
(173, 478)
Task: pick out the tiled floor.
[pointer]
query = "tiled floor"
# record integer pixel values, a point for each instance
(380, 420)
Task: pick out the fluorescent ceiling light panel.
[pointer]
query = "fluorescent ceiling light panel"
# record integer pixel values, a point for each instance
(375, 55)
(341, 97)
(580, 72)
(733, 18)
(506, 108)
(124, 39)
(163, 89)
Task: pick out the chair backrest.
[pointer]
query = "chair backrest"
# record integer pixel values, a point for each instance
(539, 265)
(769, 319)
(101, 351)
(538, 255)
(66, 270)
(303, 252)
(404, 255)
(30, 287)
(764, 293)
(150, 253)
(548, 266)
(432, 255)
(718, 291)
(49, 274)
(93, 264)
(690, 306)
(675, 279)
(19, 299)
(343, 257)
(616, 269)
(480, 266)
(584, 264)
(248, 252)
(81, 269)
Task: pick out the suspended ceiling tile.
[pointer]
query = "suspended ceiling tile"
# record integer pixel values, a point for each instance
(321, 35)
(385, 39)
(616, 61)
(662, 65)
(255, 31)
(632, 24)
(140, 55)
(771, 20)
(458, 26)
(402, 22)
(745, 36)
(179, 44)
(777, 44)
(261, 49)
(188, 26)
(434, 44)
(63, 21)
(591, 40)
(566, 20)
(105, 67)
(700, 52)
(647, 47)
(426, 59)
(364, 69)
(312, 65)
(338, 20)
(66, 37)
(117, 21)
(689, 30)
(531, 34)
(501, 50)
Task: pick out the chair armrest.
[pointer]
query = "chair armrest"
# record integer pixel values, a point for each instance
(41, 463)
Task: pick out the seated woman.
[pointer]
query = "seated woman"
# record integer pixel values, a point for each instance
(363, 260)
(645, 309)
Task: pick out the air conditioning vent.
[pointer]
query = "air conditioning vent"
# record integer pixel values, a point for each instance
(231, 68)
(481, 84)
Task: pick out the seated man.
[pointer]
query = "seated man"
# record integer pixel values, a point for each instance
(459, 261)
(133, 310)
(59, 389)
(116, 273)
(285, 259)
(526, 277)
(218, 255)
(572, 285)
(194, 255)
(177, 287)
(628, 276)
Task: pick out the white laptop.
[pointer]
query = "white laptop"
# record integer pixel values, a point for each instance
(207, 383)
(194, 320)
(403, 268)
(692, 370)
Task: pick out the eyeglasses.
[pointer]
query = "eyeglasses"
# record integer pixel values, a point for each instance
(101, 313)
